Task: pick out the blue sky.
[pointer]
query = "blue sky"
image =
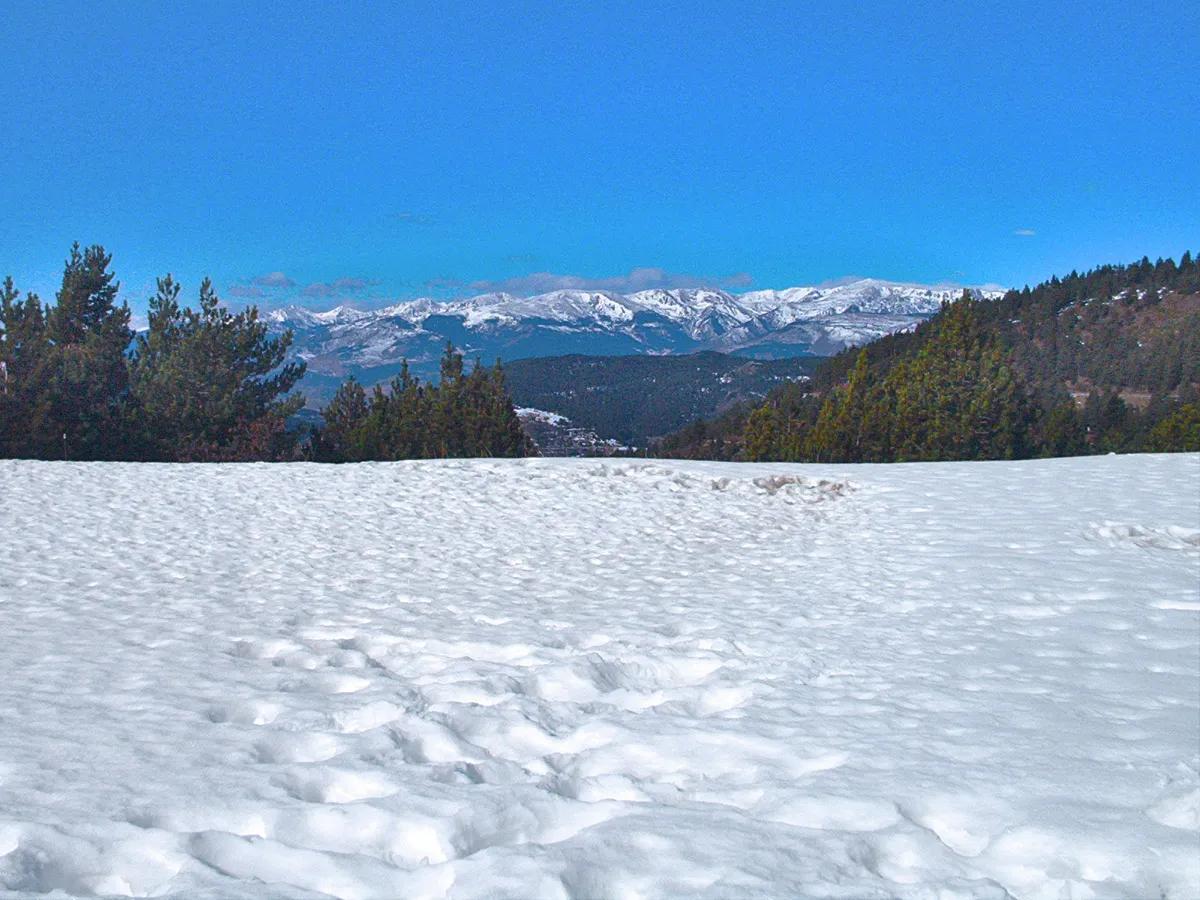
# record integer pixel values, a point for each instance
(362, 152)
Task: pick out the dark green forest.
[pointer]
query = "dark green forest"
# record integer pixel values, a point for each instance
(1105, 361)
(209, 385)
(635, 398)
(464, 414)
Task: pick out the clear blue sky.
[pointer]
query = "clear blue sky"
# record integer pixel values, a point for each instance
(369, 151)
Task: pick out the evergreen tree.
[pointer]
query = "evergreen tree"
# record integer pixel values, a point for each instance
(24, 349)
(207, 383)
(83, 384)
(761, 437)
(1177, 433)
(957, 399)
(844, 431)
(1107, 419)
(345, 416)
(87, 301)
(464, 415)
(502, 434)
(1063, 433)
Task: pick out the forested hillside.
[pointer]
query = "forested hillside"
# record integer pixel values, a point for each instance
(633, 398)
(1103, 361)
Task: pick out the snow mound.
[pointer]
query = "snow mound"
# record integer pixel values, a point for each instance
(1169, 537)
(570, 678)
(1178, 810)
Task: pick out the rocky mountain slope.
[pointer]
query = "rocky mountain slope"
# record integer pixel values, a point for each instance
(769, 324)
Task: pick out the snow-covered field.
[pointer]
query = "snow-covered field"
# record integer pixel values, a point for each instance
(569, 678)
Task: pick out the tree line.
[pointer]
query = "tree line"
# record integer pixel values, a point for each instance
(209, 385)
(464, 415)
(1107, 361)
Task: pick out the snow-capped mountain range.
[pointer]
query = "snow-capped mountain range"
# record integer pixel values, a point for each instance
(797, 321)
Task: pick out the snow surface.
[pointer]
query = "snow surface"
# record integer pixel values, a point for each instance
(573, 678)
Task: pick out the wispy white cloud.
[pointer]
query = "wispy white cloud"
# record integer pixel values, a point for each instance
(265, 290)
(275, 289)
(1025, 232)
(273, 280)
(639, 279)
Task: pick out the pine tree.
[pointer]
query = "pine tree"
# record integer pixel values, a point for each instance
(838, 433)
(958, 399)
(1063, 434)
(87, 301)
(84, 383)
(1177, 433)
(207, 383)
(345, 416)
(505, 436)
(24, 349)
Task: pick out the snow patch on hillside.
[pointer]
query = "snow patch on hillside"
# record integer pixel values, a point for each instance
(541, 415)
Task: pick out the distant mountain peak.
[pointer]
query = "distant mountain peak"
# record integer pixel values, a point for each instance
(798, 321)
